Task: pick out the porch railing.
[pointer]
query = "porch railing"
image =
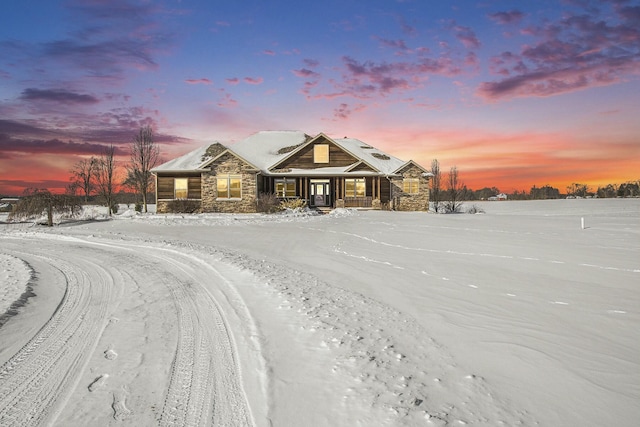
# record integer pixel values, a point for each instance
(357, 202)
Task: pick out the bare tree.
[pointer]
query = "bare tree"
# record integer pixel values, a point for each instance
(105, 177)
(435, 195)
(82, 176)
(37, 201)
(578, 190)
(144, 156)
(453, 202)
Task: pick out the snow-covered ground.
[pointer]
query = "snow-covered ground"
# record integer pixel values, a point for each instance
(517, 316)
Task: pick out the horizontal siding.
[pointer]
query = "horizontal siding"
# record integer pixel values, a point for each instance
(304, 158)
(195, 188)
(166, 185)
(362, 167)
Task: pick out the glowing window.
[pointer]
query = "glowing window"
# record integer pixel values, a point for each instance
(229, 186)
(285, 188)
(181, 188)
(354, 187)
(410, 185)
(321, 153)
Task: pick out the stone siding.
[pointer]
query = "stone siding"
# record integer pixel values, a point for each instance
(164, 206)
(410, 202)
(161, 207)
(229, 164)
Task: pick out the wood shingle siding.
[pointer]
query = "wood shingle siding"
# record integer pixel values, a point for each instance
(166, 186)
(362, 167)
(195, 189)
(304, 158)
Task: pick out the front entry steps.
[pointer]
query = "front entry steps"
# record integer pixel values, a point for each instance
(323, 209)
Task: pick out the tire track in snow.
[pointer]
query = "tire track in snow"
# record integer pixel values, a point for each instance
(464, 253)
(36, 381)
(205, 385)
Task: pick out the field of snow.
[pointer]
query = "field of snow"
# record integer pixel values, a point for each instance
(517, 316)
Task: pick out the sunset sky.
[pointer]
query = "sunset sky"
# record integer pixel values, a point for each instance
(514, 94)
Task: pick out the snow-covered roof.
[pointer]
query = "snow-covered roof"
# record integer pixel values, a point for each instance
(337, 170)
(189, 162)
(379, 160)
(266, 149)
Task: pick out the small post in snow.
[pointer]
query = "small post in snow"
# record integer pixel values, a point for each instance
(582, 222)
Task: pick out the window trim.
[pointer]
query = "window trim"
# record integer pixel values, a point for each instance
(285, 181)
(355, 187)
(318, 157)
(411, 182)
(228, 178)
(175, 188)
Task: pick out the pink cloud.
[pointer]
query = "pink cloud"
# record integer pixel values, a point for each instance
(305, 73)
(467, 37)
(233, 81)
(198, 81)
(406, 28)
(253, 80)
(394, 44)
(342, 112)
(227, 101)
(577, 52)
(311, 63)
(509, 17)
(268, 52)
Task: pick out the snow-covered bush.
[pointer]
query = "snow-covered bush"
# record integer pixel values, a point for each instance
(475, 209)
(293, 204)
(268, 203)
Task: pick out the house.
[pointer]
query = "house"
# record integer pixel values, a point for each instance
(500, 196)
(327, 173)
(7, 204)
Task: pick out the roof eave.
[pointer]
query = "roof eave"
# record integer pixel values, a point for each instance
(230, 151)
(411, 162)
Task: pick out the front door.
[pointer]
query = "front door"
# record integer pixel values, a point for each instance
(320, 192)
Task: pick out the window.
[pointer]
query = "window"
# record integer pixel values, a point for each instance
(321, 153)
(181, 188)
(285, 188)
(229, 186)
(354, 187)
(410, 185)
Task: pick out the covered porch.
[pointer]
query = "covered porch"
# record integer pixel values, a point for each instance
(366, 192)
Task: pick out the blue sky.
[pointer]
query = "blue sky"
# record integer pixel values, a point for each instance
(514, 94)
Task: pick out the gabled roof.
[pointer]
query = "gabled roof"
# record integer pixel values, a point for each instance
(228, 151)
(192, 161)
(373, 157)
(411, 162)
(266, 149)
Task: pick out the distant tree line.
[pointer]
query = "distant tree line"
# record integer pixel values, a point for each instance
(99, 179)
(575, 190)
(447, 194)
